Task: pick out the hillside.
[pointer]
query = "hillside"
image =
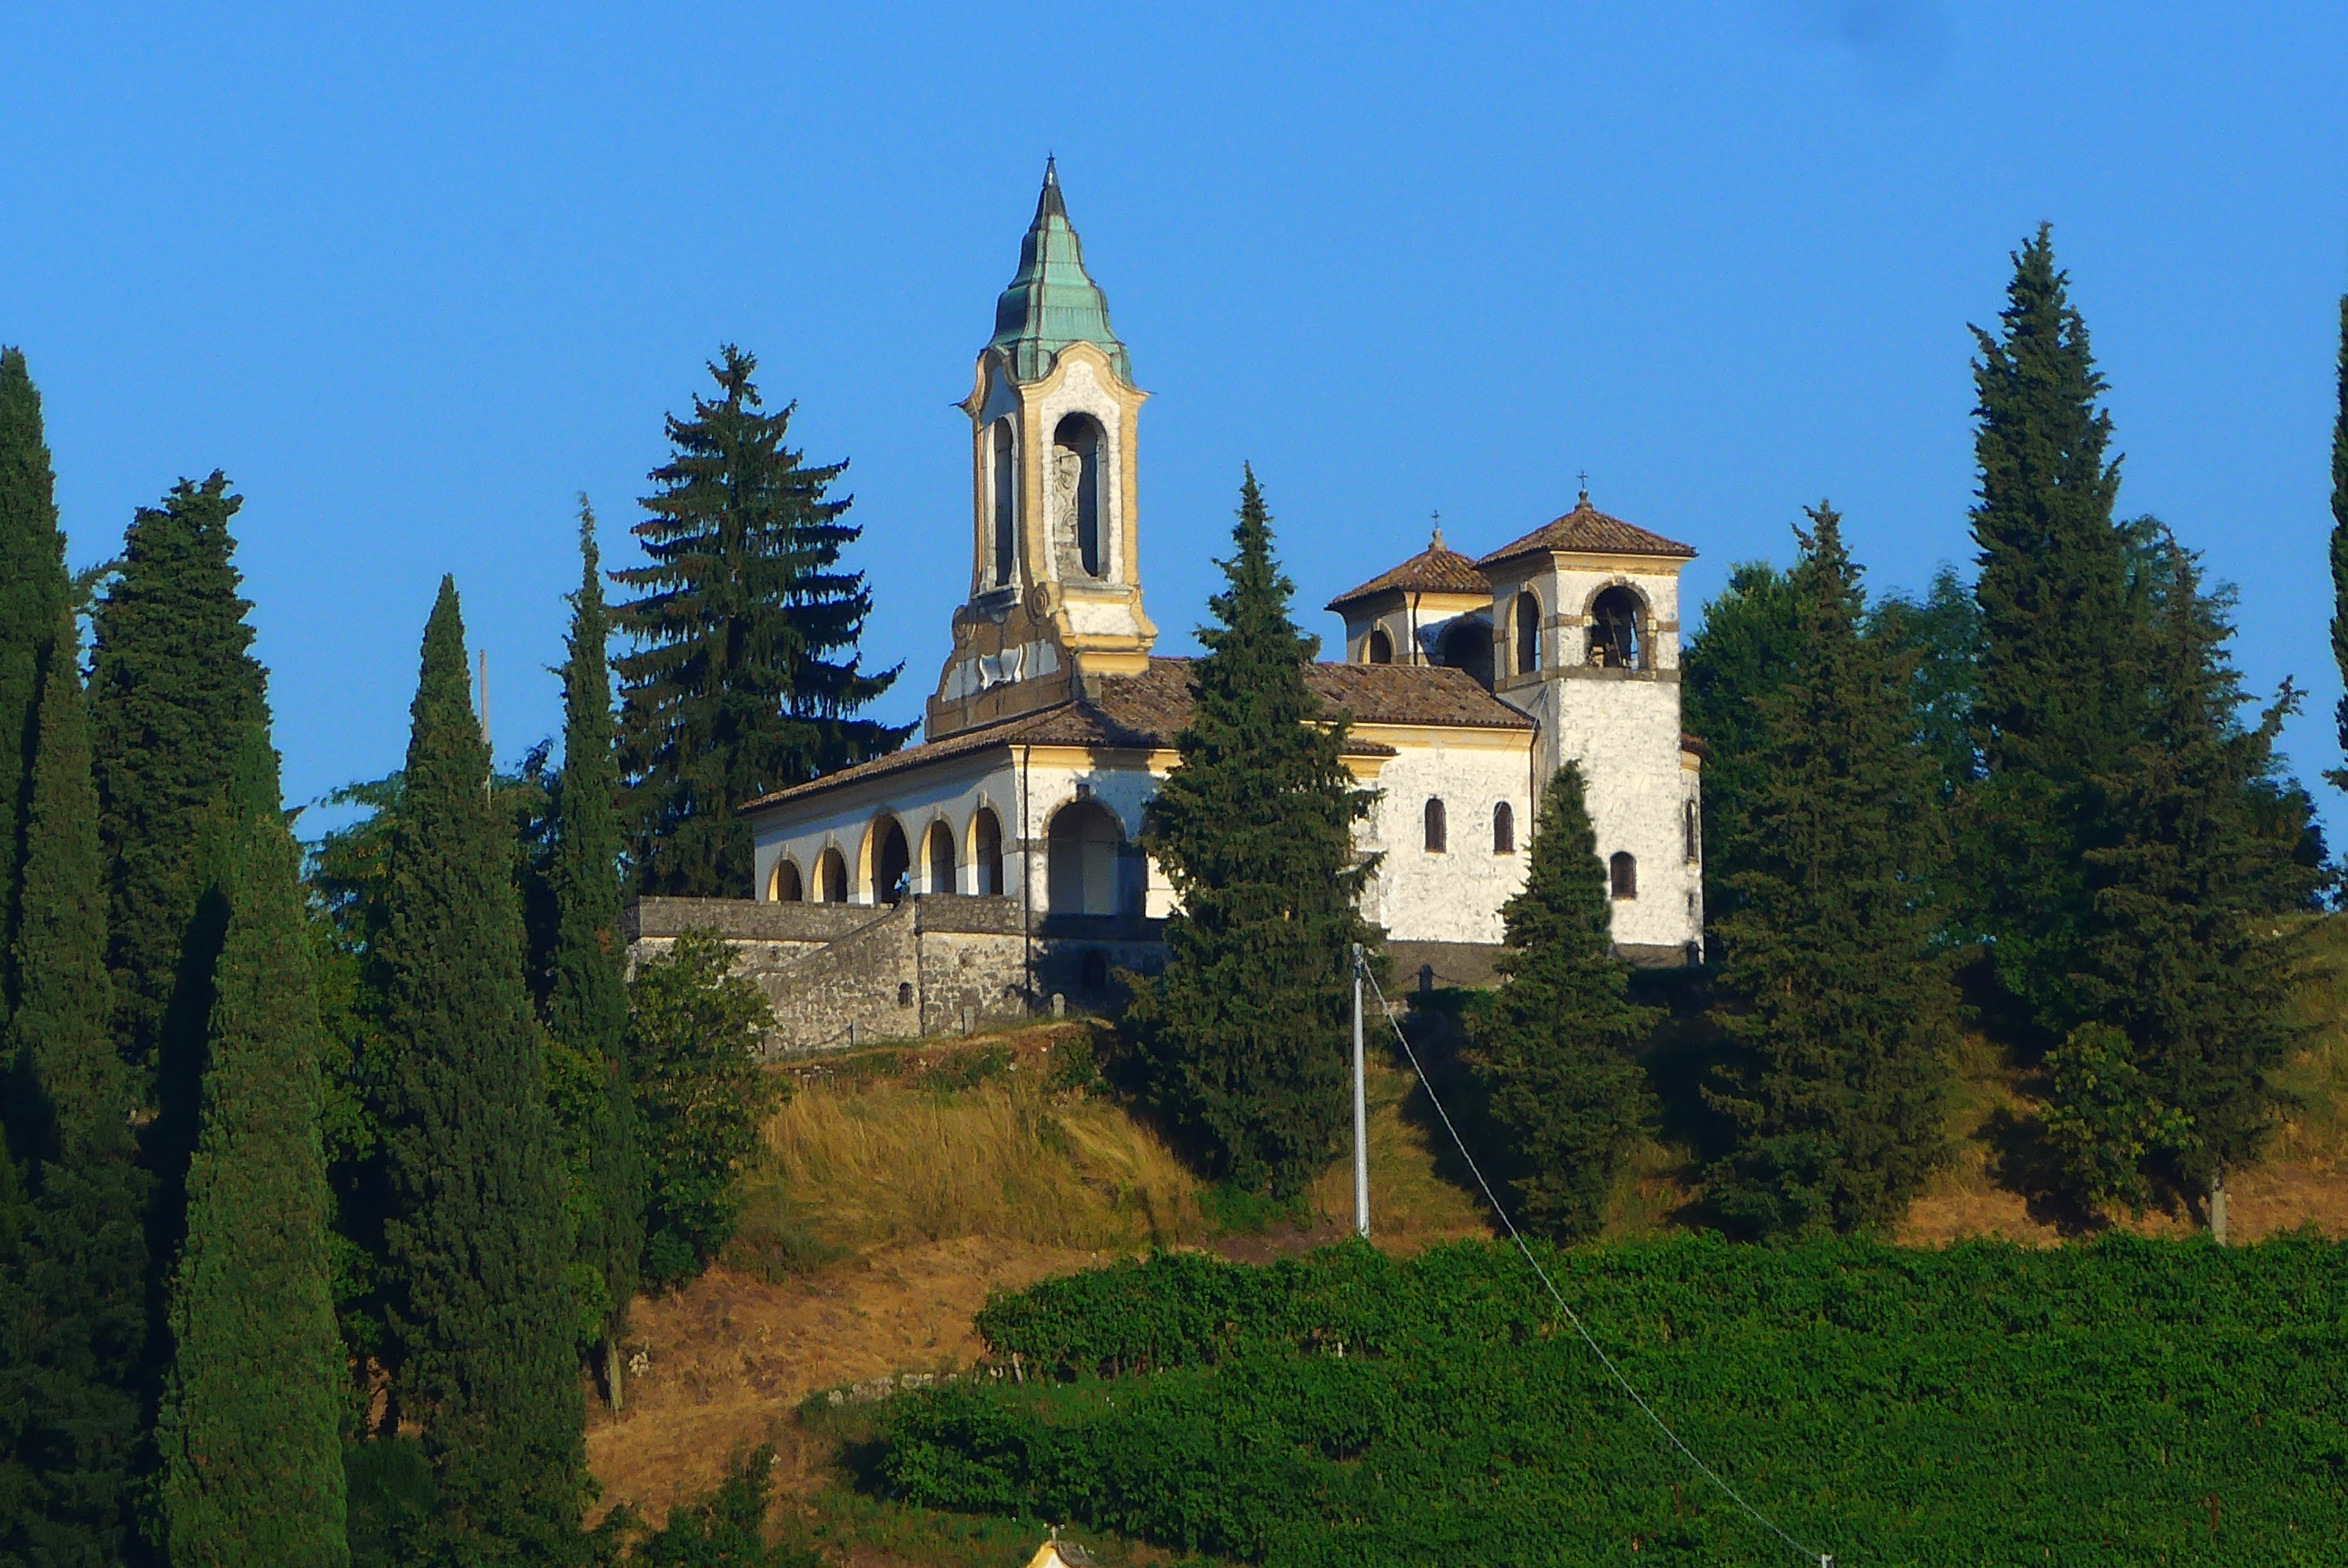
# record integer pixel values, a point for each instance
(902, 1187)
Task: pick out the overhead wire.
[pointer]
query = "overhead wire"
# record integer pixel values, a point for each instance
(1808, 1553)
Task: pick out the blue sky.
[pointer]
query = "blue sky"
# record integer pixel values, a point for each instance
(415, 276)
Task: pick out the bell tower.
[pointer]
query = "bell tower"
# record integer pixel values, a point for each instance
(1055, 576)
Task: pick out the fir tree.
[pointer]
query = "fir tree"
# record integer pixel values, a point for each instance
(587, 1003)
(2060, 701)
(1739, 657)
(734, 690)
(33, 591)
(249, 1432)
(173, 691)
(1839, 1007)
(477, 1232)
(2192, 1001)
(1553, 1044)
(73, 1301)
(1244, 1033)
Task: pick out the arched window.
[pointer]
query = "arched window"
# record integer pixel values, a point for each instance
(1691, 828)
(1467, 645)
(1007, 502)
(940, 848)
(1084, 851)
(1379, 647)
(1075, 488)
(832, 877)
(892, 865)
(1527, 618)
(1504, 829)
(1615, 635)
(986, 852)
(786, 888)
(1437, 837)
(1623, 872)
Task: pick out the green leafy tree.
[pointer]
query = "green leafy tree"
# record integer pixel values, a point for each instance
(2177, 955)
(736, 688)
(476, 1232)
(1243, 1034)
(73, 1297)
(249, 1430)
(587, 1000)
(1554, 1043)
(172, 691)
(1740, 656)
(2062, 684)
(694, 1032)
(33, 591)
(1837, 1004)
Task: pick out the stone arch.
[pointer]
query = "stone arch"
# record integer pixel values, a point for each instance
(1526, 615)
(1619, 627)
(1074, 482)
(938, 858)
(986, 852)
(1084, 853)
(831, 876)
(1378, 647)
(784, 886)
(892, 861)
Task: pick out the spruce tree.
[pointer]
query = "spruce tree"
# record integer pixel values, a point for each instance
(73, 1300)
(173, 691)
(33, 591)
(2191, 996)
(2061, 687)
(1837, 1006)
(1245, 1032)
(477, 1232)
(587, 1002)
(249, 1430)
(1554, 1043)
(734, 688)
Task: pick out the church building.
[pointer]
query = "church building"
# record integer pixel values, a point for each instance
(994, 863)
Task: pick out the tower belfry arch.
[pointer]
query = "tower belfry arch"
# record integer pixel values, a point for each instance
(1055, 582)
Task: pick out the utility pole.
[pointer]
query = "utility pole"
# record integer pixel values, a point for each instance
(1361, 1114)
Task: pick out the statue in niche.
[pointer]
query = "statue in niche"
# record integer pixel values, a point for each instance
(1067, 479)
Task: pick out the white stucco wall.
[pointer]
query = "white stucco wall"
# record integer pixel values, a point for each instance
(1453, 895)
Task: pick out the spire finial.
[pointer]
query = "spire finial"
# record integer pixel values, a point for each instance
(1437, 518)
(1585, 478)
(1051, 170)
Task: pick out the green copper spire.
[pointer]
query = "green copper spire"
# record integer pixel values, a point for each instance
(1051, 303)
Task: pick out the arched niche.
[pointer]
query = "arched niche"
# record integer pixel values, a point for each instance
(986, 852)
(1074, 484)
(831, 876)
(1619, 627)
(784, 886)
(892, 862)
(1085, 859)
(1004, 508)
(1526, 615)
(938, 857)
(1378, 647)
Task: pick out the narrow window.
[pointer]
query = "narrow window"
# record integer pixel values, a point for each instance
(1623, 871)
(904, 993)
(1006, 478)
(1380, 650)
(1436, 834)
(1504, 829)
(1528, 633)
(1690, 829)
(786, 888)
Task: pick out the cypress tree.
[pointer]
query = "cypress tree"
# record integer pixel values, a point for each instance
(2192, 1001)
(1739, 656)
(2061, 685)
(173, 691)
(734, 689)
(33, 591)
(249, 1431)
(2339, 777)
(477, 1232)
(1244, 1033)
(587, 1004)
(73, 1301)
(1553, 1044)
(1838, 1008)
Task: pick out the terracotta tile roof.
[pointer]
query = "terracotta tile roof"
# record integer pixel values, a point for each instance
(1586, 529)
(1437, 568)
(1145, 712)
